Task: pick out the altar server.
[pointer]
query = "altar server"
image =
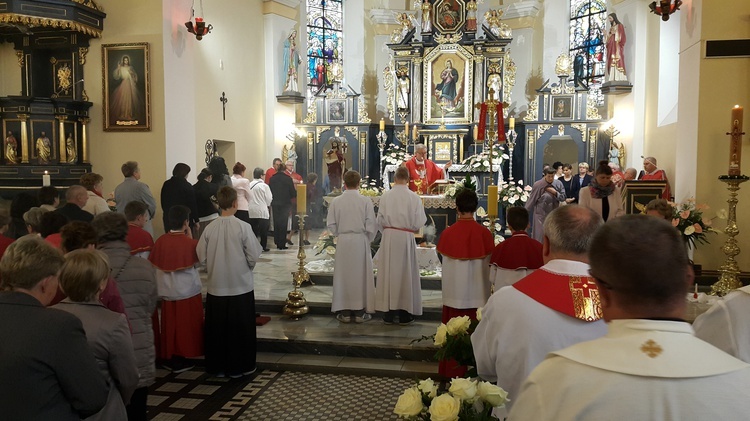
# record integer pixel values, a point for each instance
(230, 249)
(726, 324)
(351, 217)
(400, 215)
(554, 307)
(466, 247)
(649, 366)
(517, 256)
(175, 259)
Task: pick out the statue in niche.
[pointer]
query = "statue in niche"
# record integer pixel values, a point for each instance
(493, 23)
(426, 22)
(11, 148)
(43, 148)
(615, 41)
(471, 16)
(335, 160)
(407, 24)
(291, 61)
(402, 99)
(70, 149)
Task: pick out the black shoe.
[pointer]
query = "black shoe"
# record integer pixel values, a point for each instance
(266, 249)
(406, 321)
(289, 242)
(307, 243)
(282, 248)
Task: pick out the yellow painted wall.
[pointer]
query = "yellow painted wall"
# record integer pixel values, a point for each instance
(724, 83)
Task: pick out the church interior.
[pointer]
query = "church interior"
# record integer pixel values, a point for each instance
(361, 82)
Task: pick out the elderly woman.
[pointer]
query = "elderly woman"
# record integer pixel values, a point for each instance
(33, 220)
(660, 208)
(602, 195)
(96, 203)
(242, 185)
(137, 284)
(83, 277)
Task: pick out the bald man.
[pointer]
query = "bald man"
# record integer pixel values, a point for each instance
(76, 198)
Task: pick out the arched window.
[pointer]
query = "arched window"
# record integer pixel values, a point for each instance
(324, 43)
(587, 31)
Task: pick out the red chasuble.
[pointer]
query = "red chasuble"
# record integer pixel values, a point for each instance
(431, 171)
(659, 175)
(174, 251)
(138, 239)
(575, 296)
(466, 240)
(517, 252)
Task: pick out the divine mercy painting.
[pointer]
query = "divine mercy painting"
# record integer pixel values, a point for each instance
(126, 87)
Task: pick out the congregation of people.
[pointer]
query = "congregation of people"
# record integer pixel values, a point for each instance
(571, 298)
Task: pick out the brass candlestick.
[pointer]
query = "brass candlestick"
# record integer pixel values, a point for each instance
(729, 279)
(296, 304)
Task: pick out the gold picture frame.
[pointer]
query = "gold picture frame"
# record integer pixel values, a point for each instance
(126, 87)
(448, 85)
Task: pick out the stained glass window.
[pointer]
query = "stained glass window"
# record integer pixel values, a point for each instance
(587, 31)
(324, 43)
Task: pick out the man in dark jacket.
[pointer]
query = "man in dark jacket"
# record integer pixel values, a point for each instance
(178, 191)
(47, 369)
(76, 198)
(282, 189)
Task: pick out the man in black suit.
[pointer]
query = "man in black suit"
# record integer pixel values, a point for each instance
(47, 369)
(580, 181)
(76, 198)
(282, 189)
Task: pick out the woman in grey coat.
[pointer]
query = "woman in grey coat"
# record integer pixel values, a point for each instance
(137, 284)
(83, 277)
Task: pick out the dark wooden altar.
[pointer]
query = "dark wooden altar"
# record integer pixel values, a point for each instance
(51, 41)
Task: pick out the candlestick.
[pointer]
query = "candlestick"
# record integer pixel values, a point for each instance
(735, 143)
(382, 125)
(302, 198)
(475, 132)
(46, 182)
(296, 304)
(492, 202)
(512, 123)
(730, 270)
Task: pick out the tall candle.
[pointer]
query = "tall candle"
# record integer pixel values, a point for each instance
(382, 125)
(476, 132)
(512, 123)
(46, 179)
(492, 202)
(735, 144)
(302, 198)
(414, 132)
(406, 129)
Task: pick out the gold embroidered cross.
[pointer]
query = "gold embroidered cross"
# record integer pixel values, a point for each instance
(585, 295)
(651, 348)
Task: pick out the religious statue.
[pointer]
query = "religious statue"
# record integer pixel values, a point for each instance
(446, 90)
(43, 148)
(471, 16)
(11, 149)
(493, 23)
(402, 98)
(615, 41)
(426, 22)
(291, 61)
(407, 24)
(614, 153)
(335, 161)
(289, 154)
(70, 149)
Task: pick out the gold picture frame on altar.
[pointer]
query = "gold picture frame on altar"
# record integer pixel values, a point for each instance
(443, 151)
(448, 82)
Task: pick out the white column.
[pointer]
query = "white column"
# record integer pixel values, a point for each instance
(354, 44)
(524, 50)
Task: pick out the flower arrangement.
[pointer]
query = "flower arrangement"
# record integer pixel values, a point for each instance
(326, 244)
(496, 230)
(395, 154)
(453, 340)
(369, 187)
(513, 193)
(465, 399)
(481, 161)
(689, 220)
(454, 189)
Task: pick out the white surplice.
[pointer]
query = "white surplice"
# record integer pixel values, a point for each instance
(641, 370)
(400, 214)
(726, 325)
(465, 282)
(351, 217)
(517, 332)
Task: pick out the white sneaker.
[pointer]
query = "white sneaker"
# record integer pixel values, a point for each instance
(343, 319)
(365, 317)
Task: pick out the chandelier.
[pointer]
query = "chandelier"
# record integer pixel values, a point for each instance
(664, 8)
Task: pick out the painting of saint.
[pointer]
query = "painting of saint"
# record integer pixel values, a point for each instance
(126, 102)
(562, 108)
(448, 15)
(446, 91)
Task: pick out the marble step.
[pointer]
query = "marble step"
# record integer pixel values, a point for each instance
(271, 307)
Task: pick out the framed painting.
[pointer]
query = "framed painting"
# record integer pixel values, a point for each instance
(336, 110)
(127, 87)
(448, 87)
(442, 151)
(562, 107)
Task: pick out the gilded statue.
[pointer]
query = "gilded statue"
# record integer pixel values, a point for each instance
(70, 149)
(11, 148)
(43, 148)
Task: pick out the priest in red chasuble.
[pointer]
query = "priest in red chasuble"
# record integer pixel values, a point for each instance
(423, 172)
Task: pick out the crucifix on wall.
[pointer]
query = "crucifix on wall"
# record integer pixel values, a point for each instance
(223, 100)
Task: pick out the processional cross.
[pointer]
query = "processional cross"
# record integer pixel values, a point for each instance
(223, 100)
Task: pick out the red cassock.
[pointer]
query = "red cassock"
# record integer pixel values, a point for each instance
(575, 296)
(518, 251)
(431, 171)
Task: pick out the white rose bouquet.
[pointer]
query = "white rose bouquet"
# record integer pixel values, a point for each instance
(465, 400)
(395, 154)
(454, 342)
(481, 161)
(513, 193)
(369, 187)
